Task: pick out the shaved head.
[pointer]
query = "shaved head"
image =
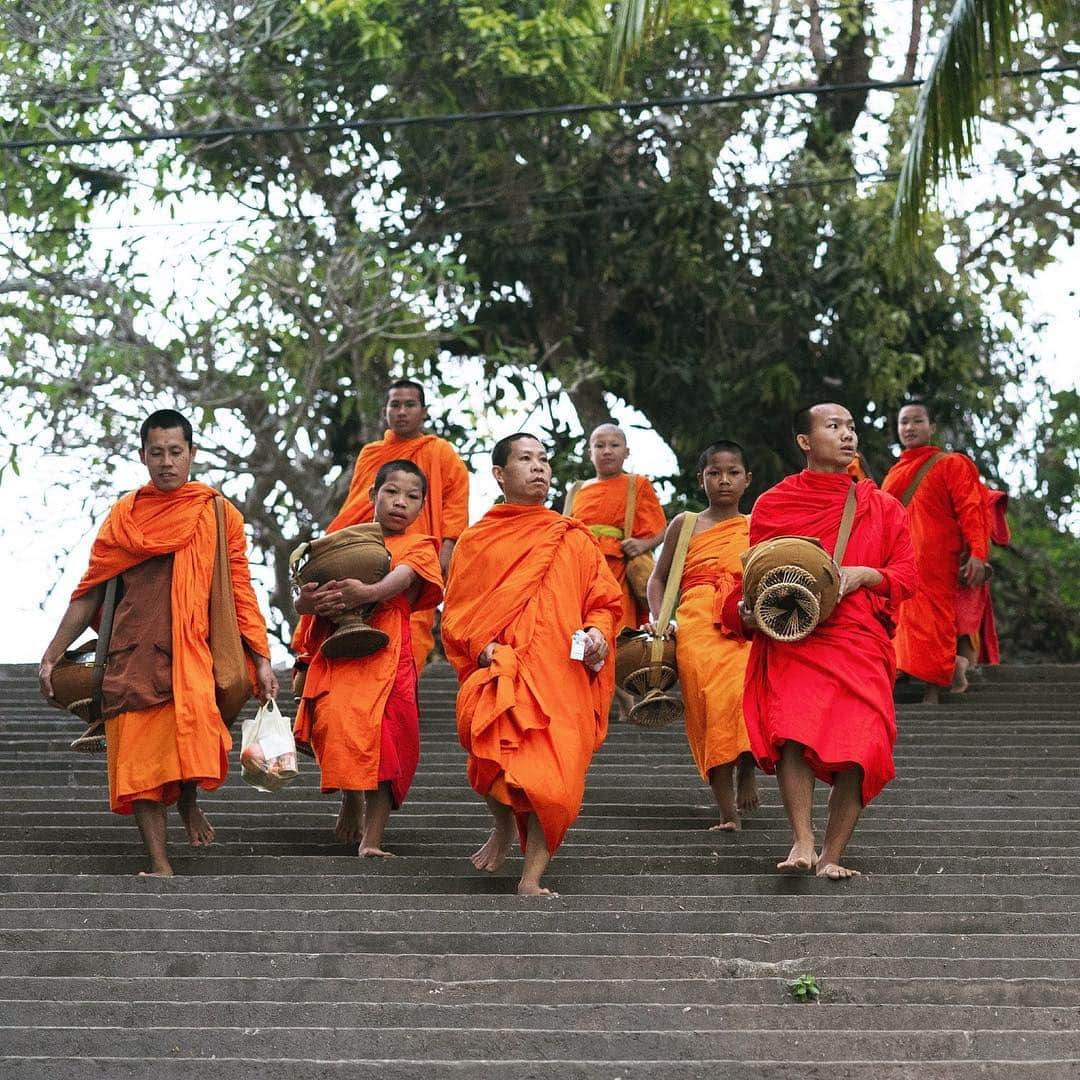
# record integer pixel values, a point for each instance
(607, 429)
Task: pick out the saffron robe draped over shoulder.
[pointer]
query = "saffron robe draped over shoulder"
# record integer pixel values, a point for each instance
(712, 662)
(832, 691)
(975, 606)
(527, 578)
(601, 504)
(445, 513)
(151, 751)
(360, 714)
(946, 515)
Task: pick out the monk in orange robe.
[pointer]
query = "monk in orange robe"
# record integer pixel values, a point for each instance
(976, 627)
(947, 517)
(360, 714)
(821, 708)
(527, 588)
(710, 659)
(601, 504)
(446, 508)
(163, 732)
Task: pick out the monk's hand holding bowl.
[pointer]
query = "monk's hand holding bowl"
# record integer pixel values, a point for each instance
(45, 670)
(487, 654)
(651, 629)
(857, 577)
(632, 548)
(747, 616)
(305, 599)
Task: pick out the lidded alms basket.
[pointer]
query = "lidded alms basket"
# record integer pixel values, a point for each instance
(791, 584)
(73, 680)
(354, 552)
(645, 668)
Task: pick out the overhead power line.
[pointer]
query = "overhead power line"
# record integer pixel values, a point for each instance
(450, 119)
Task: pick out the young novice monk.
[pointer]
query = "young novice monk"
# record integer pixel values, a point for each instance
(712, 662)
(601, 505)
(360, 715)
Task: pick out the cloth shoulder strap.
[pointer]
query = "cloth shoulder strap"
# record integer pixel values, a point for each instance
(674, 580)
(631, 505)
(847, 519)
(920, 476)
(101, 652)
(671, 592)
(571, 495)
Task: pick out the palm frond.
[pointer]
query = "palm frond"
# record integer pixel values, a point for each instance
(977, 44)
(636, 22)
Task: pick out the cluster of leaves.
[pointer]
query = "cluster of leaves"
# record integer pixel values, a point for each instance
(713, 267)
(805, 988)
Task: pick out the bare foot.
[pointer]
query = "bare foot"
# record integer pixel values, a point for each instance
(534, 889)
(747, 798)
(932, 695)
(492, 854)
(726, 826)
(200, 832)
(801, 858)
(836, 872)
(960, 682)
(159, 871)
(369, 851)
(349, 827)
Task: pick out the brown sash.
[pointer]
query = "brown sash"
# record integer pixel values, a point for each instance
(232, 687)
(847, 519)
(101, 651)
(671, 591)
(920, 476)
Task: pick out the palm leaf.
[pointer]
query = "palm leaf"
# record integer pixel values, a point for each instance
(977, 44)
(636, 22)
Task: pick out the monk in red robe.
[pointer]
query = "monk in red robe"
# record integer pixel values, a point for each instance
(601, 504)
(950, 530)
(446, 508)
(529, 621)
(976, 627)
(360, 714)
(710, 659)
(164, 735)
(822, 708)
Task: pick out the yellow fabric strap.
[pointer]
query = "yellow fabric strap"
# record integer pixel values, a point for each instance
(671, 591)
(631, 504)
(571, 495)
(607, 530)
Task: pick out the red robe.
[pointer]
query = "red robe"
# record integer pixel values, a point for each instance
(975, 607)
(832, 691)
(528, 577)
(946, 515)
(444, 515)
(360, 714)
(151, 751)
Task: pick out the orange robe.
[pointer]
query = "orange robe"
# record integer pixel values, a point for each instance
(528, 577)
(711, 662)
(151, 751)
(974, 606)
(360, 715)
(444, 516)
(945, 516)
(601, 504)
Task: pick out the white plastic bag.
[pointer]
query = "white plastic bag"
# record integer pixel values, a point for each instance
(267, 750)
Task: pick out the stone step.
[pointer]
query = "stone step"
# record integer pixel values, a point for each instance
(552, 1045)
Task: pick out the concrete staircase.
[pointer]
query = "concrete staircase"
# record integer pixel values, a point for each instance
(276, 955)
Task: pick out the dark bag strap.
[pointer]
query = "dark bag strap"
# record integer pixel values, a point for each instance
(101, 652)
(847, 519)
(920, 476)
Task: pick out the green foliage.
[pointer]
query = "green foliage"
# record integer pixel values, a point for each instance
(804, 988)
